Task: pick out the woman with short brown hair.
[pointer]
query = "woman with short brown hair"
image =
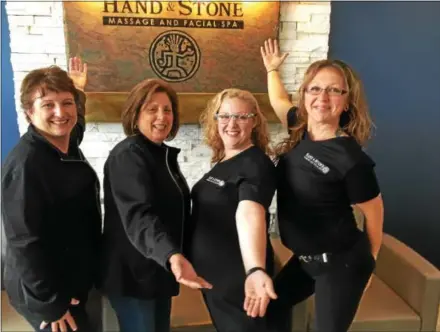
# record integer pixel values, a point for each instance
(147, 205)
(50, 205)
(142, 94)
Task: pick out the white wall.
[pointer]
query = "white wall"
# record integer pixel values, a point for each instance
(37, 40)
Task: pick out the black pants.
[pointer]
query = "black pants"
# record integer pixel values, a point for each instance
(338, 287)
(227, 314)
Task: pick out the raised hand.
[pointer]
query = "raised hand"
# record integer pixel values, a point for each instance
(185, 274)
(259, 291)
(78, 72)
(271, 55)
(62, 323)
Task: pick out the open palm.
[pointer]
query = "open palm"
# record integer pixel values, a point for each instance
(271, 55)
(78, 73)
(259, 290)
(185, 274)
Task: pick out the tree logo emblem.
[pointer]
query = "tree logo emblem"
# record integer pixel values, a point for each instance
(174, 56)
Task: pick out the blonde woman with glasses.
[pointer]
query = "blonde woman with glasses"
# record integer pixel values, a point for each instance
(228, 232)
(323, 172)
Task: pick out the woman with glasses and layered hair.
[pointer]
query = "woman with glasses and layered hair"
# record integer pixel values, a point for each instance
(322, 173)
(147, 206)
(228, 238)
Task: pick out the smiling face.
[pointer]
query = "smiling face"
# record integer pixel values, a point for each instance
(54, 115)
(156, 118)
(327, 106)
(236, 134)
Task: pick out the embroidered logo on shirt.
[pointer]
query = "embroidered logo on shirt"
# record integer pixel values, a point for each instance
(218, 182)
(315, 162)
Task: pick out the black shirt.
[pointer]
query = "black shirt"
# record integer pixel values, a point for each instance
(318, 181)
(215, 250)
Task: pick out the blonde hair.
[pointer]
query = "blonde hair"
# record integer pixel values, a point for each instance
(358, 122)
(260, 133)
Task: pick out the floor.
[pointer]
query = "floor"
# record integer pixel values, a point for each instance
(195, 312)
(12, 322)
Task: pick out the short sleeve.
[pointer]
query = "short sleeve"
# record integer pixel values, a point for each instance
(292, 116)
(361, 183)
(259, 186)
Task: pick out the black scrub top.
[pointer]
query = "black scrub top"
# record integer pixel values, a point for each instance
(318, 181)
(214, 246)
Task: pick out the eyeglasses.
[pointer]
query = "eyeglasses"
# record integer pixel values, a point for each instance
(226, 117)
(331, 91)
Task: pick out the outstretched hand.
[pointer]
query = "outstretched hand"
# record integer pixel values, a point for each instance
(271, 55)
(78, 73)
(185, 274)
(62, 323)
(259, 291)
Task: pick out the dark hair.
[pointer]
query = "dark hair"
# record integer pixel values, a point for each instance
(141, 94)
(43, 80)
